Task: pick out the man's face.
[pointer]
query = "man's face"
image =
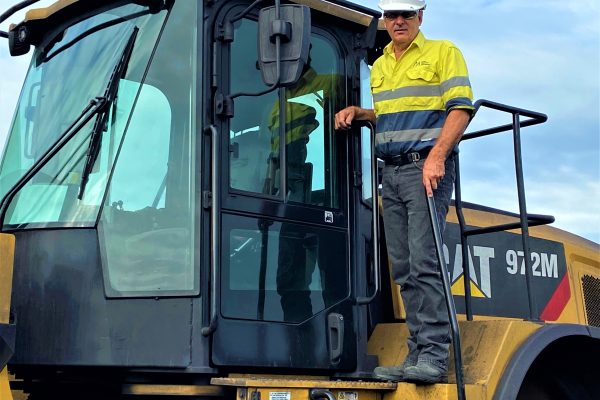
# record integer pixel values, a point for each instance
(402, 28)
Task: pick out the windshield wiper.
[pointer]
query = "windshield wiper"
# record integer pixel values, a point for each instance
(101, 124)
(82, 119)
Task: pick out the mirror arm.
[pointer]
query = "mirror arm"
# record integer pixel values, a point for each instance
(228, 25)
(224, 104)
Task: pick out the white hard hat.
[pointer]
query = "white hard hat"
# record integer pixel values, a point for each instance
(402, 5)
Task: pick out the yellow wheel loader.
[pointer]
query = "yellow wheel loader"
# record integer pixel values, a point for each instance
(179, 218)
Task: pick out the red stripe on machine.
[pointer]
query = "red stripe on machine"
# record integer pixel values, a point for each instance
(558, 301)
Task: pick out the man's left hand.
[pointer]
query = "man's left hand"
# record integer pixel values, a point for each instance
(434, 169)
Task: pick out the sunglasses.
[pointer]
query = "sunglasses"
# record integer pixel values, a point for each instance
(406, 15)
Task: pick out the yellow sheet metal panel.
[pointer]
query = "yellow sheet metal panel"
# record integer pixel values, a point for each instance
(409, 391)
(7, 252)
(172, 390)
(292, 393)
(585, 298)
(305, 382)
(388, 343)
(487, 348)
(43, 13)
(5, 393)
(337, 11)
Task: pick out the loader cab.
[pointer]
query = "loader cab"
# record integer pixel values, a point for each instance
(178, 209)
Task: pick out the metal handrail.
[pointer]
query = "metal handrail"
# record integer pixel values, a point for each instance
(215, 243)
(525, 220)
(437, 236)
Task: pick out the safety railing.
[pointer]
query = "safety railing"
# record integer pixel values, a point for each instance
(525, 220)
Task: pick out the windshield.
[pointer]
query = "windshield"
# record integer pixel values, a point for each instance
(64, 76)
(137, 156)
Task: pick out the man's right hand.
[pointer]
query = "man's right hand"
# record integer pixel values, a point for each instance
(344, 118)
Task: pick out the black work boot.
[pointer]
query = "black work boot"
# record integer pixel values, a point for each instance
(395, 373)
(425, 373)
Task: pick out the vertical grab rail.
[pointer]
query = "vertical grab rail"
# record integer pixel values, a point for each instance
(437, 236)
(375, 226)
(463, 240)
(215, 244)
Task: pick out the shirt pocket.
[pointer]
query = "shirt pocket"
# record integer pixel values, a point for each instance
(426, 85)
(376, 82)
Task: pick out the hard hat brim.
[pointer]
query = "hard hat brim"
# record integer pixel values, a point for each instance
(396, 8)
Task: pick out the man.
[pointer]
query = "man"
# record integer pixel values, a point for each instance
(422, 105)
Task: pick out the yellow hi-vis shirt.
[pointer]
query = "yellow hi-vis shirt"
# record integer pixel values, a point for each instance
(413, 95)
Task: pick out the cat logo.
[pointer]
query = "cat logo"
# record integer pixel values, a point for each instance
(480, 280)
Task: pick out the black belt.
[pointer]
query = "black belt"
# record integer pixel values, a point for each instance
(407, 158)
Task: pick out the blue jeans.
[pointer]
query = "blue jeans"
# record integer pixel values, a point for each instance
(412, 254)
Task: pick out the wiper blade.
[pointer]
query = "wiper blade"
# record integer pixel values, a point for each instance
(101, 124)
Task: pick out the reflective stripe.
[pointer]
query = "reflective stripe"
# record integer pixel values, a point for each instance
(455, 82)
(408, 120)
(409, 91)
(410, 135)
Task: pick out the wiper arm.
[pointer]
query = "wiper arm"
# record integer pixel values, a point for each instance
(82, 119)
(101, 124)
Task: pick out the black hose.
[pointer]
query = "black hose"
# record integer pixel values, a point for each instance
(15, 8)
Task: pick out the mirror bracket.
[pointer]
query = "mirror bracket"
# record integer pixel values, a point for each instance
(282, 29)
(224, 105)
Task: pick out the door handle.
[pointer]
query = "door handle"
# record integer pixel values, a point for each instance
(335, 332)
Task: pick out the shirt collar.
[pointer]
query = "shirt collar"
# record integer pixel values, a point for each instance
(419, 42)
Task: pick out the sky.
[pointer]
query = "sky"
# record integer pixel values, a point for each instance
(540, 55)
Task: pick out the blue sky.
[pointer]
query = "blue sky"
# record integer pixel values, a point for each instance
(542, 55)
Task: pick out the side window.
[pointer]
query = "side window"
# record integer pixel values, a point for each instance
(306, 126)
(146, 230)
(366, 101)
(251, 149)
(283, 270)
(278, 271)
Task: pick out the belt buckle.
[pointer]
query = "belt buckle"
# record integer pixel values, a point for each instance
(414, 157)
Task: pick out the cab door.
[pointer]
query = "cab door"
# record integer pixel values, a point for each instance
(284, 295)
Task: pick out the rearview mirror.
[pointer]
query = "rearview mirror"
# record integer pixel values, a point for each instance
(291, 28)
